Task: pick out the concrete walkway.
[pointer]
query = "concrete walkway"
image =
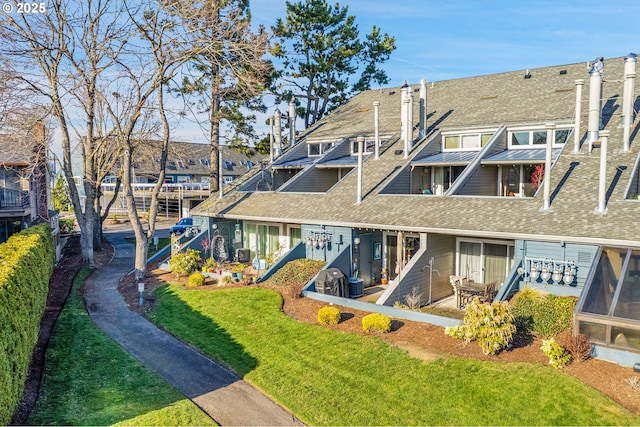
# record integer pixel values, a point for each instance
(219, 392)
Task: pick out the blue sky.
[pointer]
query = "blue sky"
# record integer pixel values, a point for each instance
(440, 40)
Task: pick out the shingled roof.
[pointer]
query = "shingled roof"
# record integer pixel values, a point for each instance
(547, 95)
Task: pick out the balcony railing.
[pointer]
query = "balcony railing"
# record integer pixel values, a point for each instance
(11, 199)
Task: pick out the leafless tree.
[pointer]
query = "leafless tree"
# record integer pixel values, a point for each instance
(63, 55)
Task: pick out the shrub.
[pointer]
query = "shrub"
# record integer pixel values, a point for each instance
(196, 279)
(26, 264)
(299, 271)
(414, 299)
(239, 268)
(66, 225)
(376, 322)
(184, 262)
(490, 324)
(544, 315)
(558, 356)
(579, 346)
(329, 315)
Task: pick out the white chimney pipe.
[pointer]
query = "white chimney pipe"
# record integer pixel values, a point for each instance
(602, 203)
(405, 102)
(628, 97)
(403, 112)
(292, 122)
(376, 128)
(423, 108)
(220, 180)
(271, 148)
(595, 95)
(410, 117)
(576, 133)
(277, 117)
(359, 191)
(546, 181)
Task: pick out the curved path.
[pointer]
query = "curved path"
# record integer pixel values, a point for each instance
(219, 392)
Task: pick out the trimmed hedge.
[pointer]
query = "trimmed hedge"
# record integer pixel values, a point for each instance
(544, 315)
(26, 265)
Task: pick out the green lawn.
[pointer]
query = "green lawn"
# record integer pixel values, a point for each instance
(91, 380)
(327, 377)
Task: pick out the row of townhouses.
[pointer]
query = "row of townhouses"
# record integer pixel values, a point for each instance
(525, 178)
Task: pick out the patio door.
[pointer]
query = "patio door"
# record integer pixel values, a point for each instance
(484, 261)
(263, 238)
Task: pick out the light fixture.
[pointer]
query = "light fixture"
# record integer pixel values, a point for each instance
(545, 274)
(356, 241)
(569, 274)
(535, 272)
(557, 274)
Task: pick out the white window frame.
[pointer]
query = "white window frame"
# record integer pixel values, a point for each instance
(531, 130)
(510, 251)
(461, 135)
(323, 147)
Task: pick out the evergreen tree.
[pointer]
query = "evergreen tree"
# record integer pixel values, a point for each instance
(321, 50)
(60, 195)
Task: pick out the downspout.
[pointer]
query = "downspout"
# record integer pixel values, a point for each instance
(577, 133)
(628, 97)
(602, 202)
(546, 204)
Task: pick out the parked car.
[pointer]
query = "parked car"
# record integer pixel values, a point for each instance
(182, 226)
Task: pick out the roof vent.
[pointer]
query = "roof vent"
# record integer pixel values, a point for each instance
(398, 152)
(563, 72)
(392, 92)
(527, 75)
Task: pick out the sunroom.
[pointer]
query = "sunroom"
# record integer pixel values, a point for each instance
(608, 311)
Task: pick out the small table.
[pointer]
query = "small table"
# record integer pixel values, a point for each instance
(467, 292)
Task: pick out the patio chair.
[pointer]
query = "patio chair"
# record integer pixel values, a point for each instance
(489, 292)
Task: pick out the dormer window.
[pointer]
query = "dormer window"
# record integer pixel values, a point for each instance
(530, 138)
(315, 149)
(368, 147)
(466, 141)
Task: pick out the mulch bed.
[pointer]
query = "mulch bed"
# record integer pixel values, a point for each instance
(420, 340)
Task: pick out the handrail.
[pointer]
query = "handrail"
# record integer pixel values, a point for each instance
(13, 198)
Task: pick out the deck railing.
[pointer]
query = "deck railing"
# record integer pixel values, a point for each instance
(13, 198)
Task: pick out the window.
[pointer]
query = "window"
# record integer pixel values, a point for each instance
(538, 137)
(466, 141)
(204, 162)
(263, 237)
(318, 148)
(368, 147)
(484, 261)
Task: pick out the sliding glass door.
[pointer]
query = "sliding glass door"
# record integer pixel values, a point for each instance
(484, 261)
(263, 238)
